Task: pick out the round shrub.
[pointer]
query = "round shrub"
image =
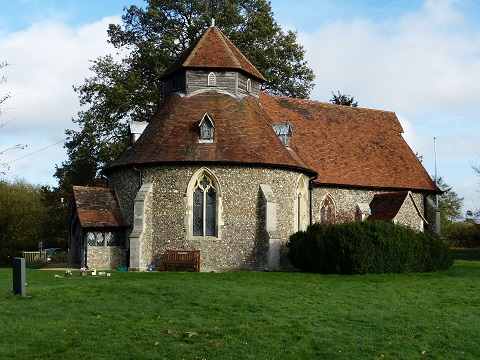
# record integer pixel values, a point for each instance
(366, 247)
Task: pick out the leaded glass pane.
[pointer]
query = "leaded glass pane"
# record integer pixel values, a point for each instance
(210, 222)
(91, 239)
(205, 182)
(198, 212)
(110, 238)
(100, 239)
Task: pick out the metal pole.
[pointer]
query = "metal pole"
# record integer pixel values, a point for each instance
(436, 178)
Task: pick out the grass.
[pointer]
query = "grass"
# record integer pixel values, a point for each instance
(254, 315)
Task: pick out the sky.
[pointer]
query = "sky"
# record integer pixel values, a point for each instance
(418, 58)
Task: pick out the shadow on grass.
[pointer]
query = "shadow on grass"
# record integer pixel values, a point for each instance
(468, 255)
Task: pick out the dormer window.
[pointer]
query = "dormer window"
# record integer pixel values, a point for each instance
(135, 129)
(212, 79)
(284, 132)
(207, 129)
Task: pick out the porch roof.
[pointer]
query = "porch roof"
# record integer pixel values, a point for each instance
(97, 207)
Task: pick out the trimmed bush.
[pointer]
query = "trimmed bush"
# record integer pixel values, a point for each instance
(366, 247)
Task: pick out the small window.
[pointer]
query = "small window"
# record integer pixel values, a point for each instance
(102, 239)
(207, 129)
(212, 79)
(249, 85)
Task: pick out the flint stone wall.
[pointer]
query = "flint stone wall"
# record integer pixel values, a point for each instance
(346, 201)
(105, 258)
(243, 242)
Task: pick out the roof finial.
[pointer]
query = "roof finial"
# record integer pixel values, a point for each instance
(212, 5)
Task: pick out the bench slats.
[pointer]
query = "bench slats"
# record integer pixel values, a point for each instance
(181, 258)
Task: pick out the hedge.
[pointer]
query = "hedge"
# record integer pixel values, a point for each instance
(366, 247)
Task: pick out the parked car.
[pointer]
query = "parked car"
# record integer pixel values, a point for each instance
(55, 254)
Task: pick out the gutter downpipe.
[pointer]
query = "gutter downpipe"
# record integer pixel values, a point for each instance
(310, 196)
(140, 176)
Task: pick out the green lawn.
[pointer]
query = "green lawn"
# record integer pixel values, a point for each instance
(243, 315)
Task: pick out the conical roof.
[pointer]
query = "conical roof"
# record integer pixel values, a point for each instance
(213, 50)
(242, 135)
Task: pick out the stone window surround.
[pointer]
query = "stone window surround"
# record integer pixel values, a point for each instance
(189, 202)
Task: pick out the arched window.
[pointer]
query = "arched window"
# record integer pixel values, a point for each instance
(204, 205)
(327, 211)
(300, 206)
(249, 85)
(212, 79)
(204, 208)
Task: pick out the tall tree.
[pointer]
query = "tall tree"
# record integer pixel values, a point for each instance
(154, 37)
(343, 99)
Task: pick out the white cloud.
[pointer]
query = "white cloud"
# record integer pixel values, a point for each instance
(424, 65)
(422, 62)
(46, 60)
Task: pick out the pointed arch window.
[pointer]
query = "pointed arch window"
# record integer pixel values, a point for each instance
(249, 85)
(204, 207)
(212, 79)
(327, 211)
(204, 211)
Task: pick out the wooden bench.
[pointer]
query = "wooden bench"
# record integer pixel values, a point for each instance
(181, 258)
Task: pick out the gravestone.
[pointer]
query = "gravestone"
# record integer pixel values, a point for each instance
(19, 277)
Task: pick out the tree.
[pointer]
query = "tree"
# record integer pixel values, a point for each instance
(449, 202)
(476, 212)
(28, 214)
(3, 79)
(4, 98)
(154, 37)
(342, 99)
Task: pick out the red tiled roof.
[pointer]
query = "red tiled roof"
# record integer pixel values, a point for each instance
(243, 134)
(213, 50)
(350, 146)
(97, 207)
(345, 146)
(385, 207)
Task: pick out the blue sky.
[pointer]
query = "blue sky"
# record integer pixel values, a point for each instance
(418, 58)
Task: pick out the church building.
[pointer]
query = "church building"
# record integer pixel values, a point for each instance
(232, 171)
